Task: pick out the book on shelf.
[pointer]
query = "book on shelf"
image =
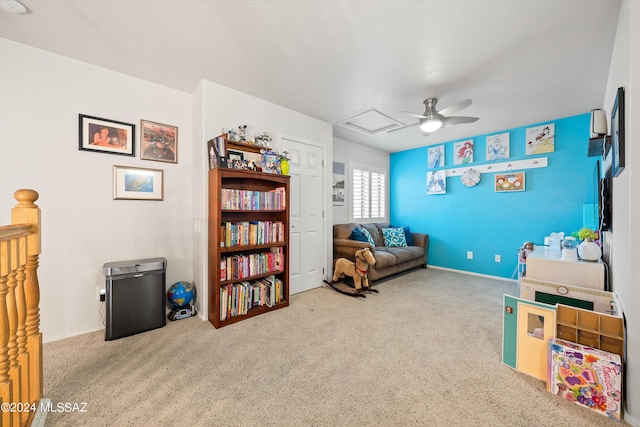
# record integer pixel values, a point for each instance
(234, 199)
(244, 233)
(241, 266)
(236, 299)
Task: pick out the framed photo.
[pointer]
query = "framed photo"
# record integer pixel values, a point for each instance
(239, 164)
(235, 155)
(137, 183)
(270, 162)
(212, 152)
(508, 182)
(617, 134)
(158, 142)
(106, 136)
(338, 186)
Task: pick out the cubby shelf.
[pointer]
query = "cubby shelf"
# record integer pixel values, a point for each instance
(597, 330)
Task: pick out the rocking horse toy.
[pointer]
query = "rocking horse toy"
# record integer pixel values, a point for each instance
(358, 271)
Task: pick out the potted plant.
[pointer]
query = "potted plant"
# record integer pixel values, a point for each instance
(589, 249)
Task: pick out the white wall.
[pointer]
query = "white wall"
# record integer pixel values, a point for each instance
(217, 107)
(41, 95)
(621, 242)
(345, 152)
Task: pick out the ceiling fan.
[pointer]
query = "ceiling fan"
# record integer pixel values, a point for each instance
(432, 120)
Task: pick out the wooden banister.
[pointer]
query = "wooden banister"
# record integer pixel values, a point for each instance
(20, 336)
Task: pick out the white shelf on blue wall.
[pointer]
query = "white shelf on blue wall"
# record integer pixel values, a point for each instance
(512, 165)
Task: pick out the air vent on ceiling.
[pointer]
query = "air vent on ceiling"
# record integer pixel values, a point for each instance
(371, 122)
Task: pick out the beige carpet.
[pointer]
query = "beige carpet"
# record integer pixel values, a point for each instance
(425, 351)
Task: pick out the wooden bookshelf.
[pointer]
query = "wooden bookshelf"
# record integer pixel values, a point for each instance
(249, 230)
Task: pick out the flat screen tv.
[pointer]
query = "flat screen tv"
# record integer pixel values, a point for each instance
(602, 198)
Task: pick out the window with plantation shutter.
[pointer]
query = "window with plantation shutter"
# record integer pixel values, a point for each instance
(360, 179)
(367, 193)
(377, 195)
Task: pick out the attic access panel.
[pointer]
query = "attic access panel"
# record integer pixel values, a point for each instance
(371, 122)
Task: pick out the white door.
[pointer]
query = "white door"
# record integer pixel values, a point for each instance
(306, 235)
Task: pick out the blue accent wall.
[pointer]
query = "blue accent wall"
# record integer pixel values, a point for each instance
(488, 223)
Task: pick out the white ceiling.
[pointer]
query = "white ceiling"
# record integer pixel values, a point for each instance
(520, 61)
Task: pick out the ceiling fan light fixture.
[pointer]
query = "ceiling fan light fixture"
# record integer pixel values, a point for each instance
(431, 125)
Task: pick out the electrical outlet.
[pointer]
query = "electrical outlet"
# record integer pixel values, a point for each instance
(469, 255)
(498, 258)
(102, 293)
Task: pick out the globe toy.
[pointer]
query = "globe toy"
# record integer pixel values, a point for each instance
(181, 294)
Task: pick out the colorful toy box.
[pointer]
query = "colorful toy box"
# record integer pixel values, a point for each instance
(586, 376)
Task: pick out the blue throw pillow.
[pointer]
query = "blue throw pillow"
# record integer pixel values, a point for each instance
(394, 237)
(368, 236)
(407, 235)
(356, 234)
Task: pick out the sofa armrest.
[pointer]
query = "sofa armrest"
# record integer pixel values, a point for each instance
(421, 239)
(346, 248)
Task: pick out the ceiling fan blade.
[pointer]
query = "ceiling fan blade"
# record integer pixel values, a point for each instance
(414, 115)
(403, 127)
(452, 109)
(458, 120)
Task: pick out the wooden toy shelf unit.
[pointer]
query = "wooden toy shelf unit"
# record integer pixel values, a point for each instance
(248, 244)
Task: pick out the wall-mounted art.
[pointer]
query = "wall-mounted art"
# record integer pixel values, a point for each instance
(541, 139)
(470, 177)
(106, 136)
(436, 182)
(508, 182)
(617, 133)
(158, 142)
(463, 152)
(435, 157)
(498, 146)
(137, 183)
(338, 187)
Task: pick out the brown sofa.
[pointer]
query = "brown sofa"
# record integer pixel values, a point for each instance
(388, 260)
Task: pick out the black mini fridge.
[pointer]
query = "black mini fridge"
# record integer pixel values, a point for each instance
(135, 296)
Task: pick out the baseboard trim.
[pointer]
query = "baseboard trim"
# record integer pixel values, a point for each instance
(73, 334)
(470, 273)
(41, 416)
(631, 420)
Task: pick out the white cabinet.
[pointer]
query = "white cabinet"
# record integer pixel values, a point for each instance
(546, 264)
